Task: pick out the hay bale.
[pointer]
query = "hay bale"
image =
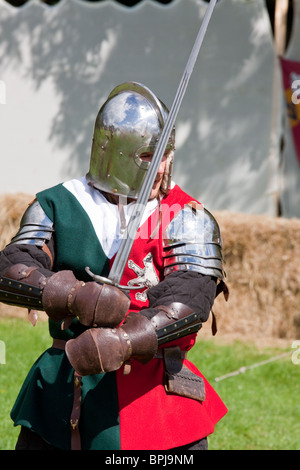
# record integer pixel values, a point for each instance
(12, 207)
(262, 256)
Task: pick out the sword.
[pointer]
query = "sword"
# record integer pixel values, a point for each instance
(122, 255)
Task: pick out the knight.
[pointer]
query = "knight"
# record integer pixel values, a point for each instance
(117, 375)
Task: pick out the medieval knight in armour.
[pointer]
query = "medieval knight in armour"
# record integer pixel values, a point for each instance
(117, 375)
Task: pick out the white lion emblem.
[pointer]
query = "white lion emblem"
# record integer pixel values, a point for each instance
(146, 277)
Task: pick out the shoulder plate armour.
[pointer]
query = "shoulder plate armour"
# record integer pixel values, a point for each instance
(35, 227)
(192, 242)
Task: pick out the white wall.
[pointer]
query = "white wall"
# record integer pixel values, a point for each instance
(58, 65)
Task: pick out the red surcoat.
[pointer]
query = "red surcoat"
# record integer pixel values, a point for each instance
(148, 414)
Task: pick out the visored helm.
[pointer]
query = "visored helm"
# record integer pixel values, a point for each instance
(128, 125)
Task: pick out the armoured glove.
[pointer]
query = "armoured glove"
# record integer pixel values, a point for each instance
(63, 296)
(100, 350)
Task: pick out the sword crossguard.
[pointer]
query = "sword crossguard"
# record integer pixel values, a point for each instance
(105, 280)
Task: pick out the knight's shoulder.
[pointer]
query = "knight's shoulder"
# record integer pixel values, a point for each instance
(193, 223)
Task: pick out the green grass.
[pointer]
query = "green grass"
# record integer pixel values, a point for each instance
(263, 403)
(23, 344)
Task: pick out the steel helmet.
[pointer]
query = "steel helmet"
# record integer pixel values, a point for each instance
(128, 124)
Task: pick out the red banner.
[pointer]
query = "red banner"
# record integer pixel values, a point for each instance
(291, 84)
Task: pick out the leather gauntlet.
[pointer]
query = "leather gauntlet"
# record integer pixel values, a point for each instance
(100, 350)
(92, 303)
(105, 350)
(63, 296)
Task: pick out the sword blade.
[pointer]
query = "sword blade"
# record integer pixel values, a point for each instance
(122, 255)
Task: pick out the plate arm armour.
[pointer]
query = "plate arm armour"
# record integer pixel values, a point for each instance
(59, 294)
(35, 227)
(192, 242)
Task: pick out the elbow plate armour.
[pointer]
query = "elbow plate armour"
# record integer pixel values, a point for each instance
(35, 227)
(192, 242)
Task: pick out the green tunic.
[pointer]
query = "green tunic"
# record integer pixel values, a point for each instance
(45, 400)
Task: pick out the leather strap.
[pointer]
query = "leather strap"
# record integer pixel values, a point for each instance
(75, 414)
(48, 252)
(179, 379)
(161, 353)
(59, 344)
(17, 292)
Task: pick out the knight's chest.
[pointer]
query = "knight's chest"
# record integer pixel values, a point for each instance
(144, 268)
